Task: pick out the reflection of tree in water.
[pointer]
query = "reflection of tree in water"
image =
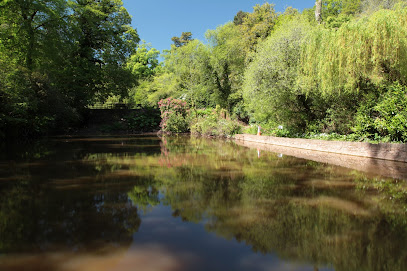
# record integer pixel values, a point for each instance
(31, 219)
(310, 214)
(145, 194)
(301, 210)
(66, 203)
(71, 198)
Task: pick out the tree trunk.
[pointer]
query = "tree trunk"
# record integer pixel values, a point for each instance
(318, 11)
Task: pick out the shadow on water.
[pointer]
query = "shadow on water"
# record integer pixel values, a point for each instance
(178, 203)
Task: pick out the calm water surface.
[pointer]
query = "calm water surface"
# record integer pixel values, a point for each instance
(181, 203)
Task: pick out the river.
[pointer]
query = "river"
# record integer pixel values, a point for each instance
(186, 203)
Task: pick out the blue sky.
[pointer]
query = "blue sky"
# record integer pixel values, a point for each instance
(157, 21)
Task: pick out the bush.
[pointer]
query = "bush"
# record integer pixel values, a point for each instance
(215, 122)
(147, 120)
(269, 129)
(174, 115)
(385, 119)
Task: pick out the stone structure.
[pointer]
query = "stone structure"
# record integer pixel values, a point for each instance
(386, 151)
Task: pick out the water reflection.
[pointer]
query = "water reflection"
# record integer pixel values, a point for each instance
(133, 199)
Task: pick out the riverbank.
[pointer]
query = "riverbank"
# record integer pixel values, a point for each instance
(384, 159)
(385, 151)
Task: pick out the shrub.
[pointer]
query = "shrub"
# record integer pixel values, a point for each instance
(144, 121)
(386, 118)
(174, 115)
(215, 122)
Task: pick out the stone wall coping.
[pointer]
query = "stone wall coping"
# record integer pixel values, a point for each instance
(386, 151)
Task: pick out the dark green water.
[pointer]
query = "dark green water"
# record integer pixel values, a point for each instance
(180, 203)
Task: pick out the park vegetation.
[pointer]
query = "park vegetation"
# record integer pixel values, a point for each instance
(338, 68)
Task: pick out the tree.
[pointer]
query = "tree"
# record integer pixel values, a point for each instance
(378, 54)
(57, 56)
(31, 48)
(259, 24)
(185, 38)
(239, 17)
(105, 40)
(227, 59)
(270, 89)
(144, 66)
(344, 7)
(143, 62)
(185, 74)
(29, 27)
(370, 6)
(318, 11)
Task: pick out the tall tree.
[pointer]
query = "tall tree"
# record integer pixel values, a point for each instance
(143, 62)
(259, 24)
(239, 17)
(56, 56)
(227, 59)
(26, 24)
(105, 40)
(184, 39)
(270, 89)
(31, 45)
(378, 55)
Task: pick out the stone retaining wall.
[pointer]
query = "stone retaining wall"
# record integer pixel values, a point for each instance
(386, 151)
(372, 166)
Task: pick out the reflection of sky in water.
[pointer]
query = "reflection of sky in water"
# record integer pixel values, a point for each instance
(189, 247)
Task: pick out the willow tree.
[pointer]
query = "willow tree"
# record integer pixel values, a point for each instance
(372, 49)
(370, 6)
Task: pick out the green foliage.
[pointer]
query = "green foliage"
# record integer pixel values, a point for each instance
(378, 53)
(214, 122)
(174, 116)
(143, 62)
(136, 121)
(57, 57)
(332, 8)
(370, 6)
(269, 129)
(184, 39)
(146, 120)
(227, 62)
(210, 75)
(259, 24)
(186, 74)
(384, 117)
(270, 91)
(239, 18)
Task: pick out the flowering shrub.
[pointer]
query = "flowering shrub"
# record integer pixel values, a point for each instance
(174, 115)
